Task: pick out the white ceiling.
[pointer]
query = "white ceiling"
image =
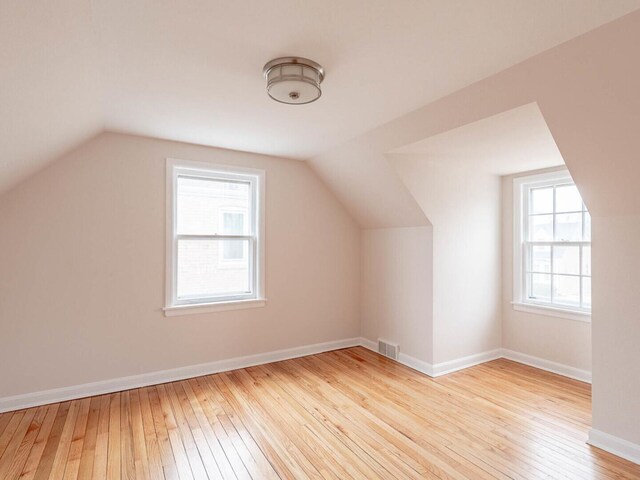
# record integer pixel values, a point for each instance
(191, 70)
(514, 141)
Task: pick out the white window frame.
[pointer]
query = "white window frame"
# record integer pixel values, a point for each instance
(256, 179)
(520, 206)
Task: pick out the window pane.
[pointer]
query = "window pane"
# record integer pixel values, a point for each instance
(540, 259)
(541, 200)
(541, 228)
(200, 200)
(540, 287)
(566, 290)
(569, 227)
(566, 260)
(586, 292)
(586, 261)
(233, 223)
(568, 199)
(587, 227)
(204, 272)
(234, 249)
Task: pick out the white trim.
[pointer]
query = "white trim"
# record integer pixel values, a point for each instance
(615, 445)
(178, 310)
(439, 368)
(548, 365)
(451, 366)
(552, 311)
(406, 360)
(256, 178)
(369, 344)
(44, 397)
(417, 364)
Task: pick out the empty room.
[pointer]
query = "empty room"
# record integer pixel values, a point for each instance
(319, 239)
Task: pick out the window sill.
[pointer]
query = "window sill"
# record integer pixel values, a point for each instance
(213, 307)
(552, 311)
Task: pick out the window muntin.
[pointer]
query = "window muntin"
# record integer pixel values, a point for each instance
(215, 234)
(554, 244)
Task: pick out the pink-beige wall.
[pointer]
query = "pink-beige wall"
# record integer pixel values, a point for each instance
(587, 90)
(615, 262)
(436, 290)
(463, 205)
(397, 288)
(82, 262)
(560, 340)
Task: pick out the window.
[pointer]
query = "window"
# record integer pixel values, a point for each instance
(214, 237)
(233, 222)
(552, 249)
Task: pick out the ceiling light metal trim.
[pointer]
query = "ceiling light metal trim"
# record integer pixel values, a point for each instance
(293, 80)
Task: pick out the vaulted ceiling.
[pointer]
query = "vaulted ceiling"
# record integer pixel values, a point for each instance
(191, 70)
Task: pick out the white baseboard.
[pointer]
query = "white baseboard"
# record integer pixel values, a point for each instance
(415, 363)
(439, 368)
(465, 362)
(548, 365)
(609, 443)
(451, 366)
(369, 344)
(615, 445)
(406, 360)
(44, 397)
(27, 400)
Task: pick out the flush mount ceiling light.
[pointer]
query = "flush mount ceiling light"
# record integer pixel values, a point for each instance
(293, 80)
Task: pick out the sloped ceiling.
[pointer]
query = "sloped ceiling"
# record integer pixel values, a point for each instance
(191, 70)
(510, 142)
(587, 92)
(50, 91)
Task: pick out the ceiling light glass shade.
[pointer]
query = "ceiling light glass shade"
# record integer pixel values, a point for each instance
(293, 80)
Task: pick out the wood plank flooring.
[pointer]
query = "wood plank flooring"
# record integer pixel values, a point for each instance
(347, 414)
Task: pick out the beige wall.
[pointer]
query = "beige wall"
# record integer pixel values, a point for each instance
(587, 90)
(396, 289)
(82, 256)
(463, 206)
(559, 340)
(615, 262)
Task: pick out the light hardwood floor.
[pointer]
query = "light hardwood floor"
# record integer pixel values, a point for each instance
(343, 414)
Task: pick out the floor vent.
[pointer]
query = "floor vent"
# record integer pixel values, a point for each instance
(388, 349)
